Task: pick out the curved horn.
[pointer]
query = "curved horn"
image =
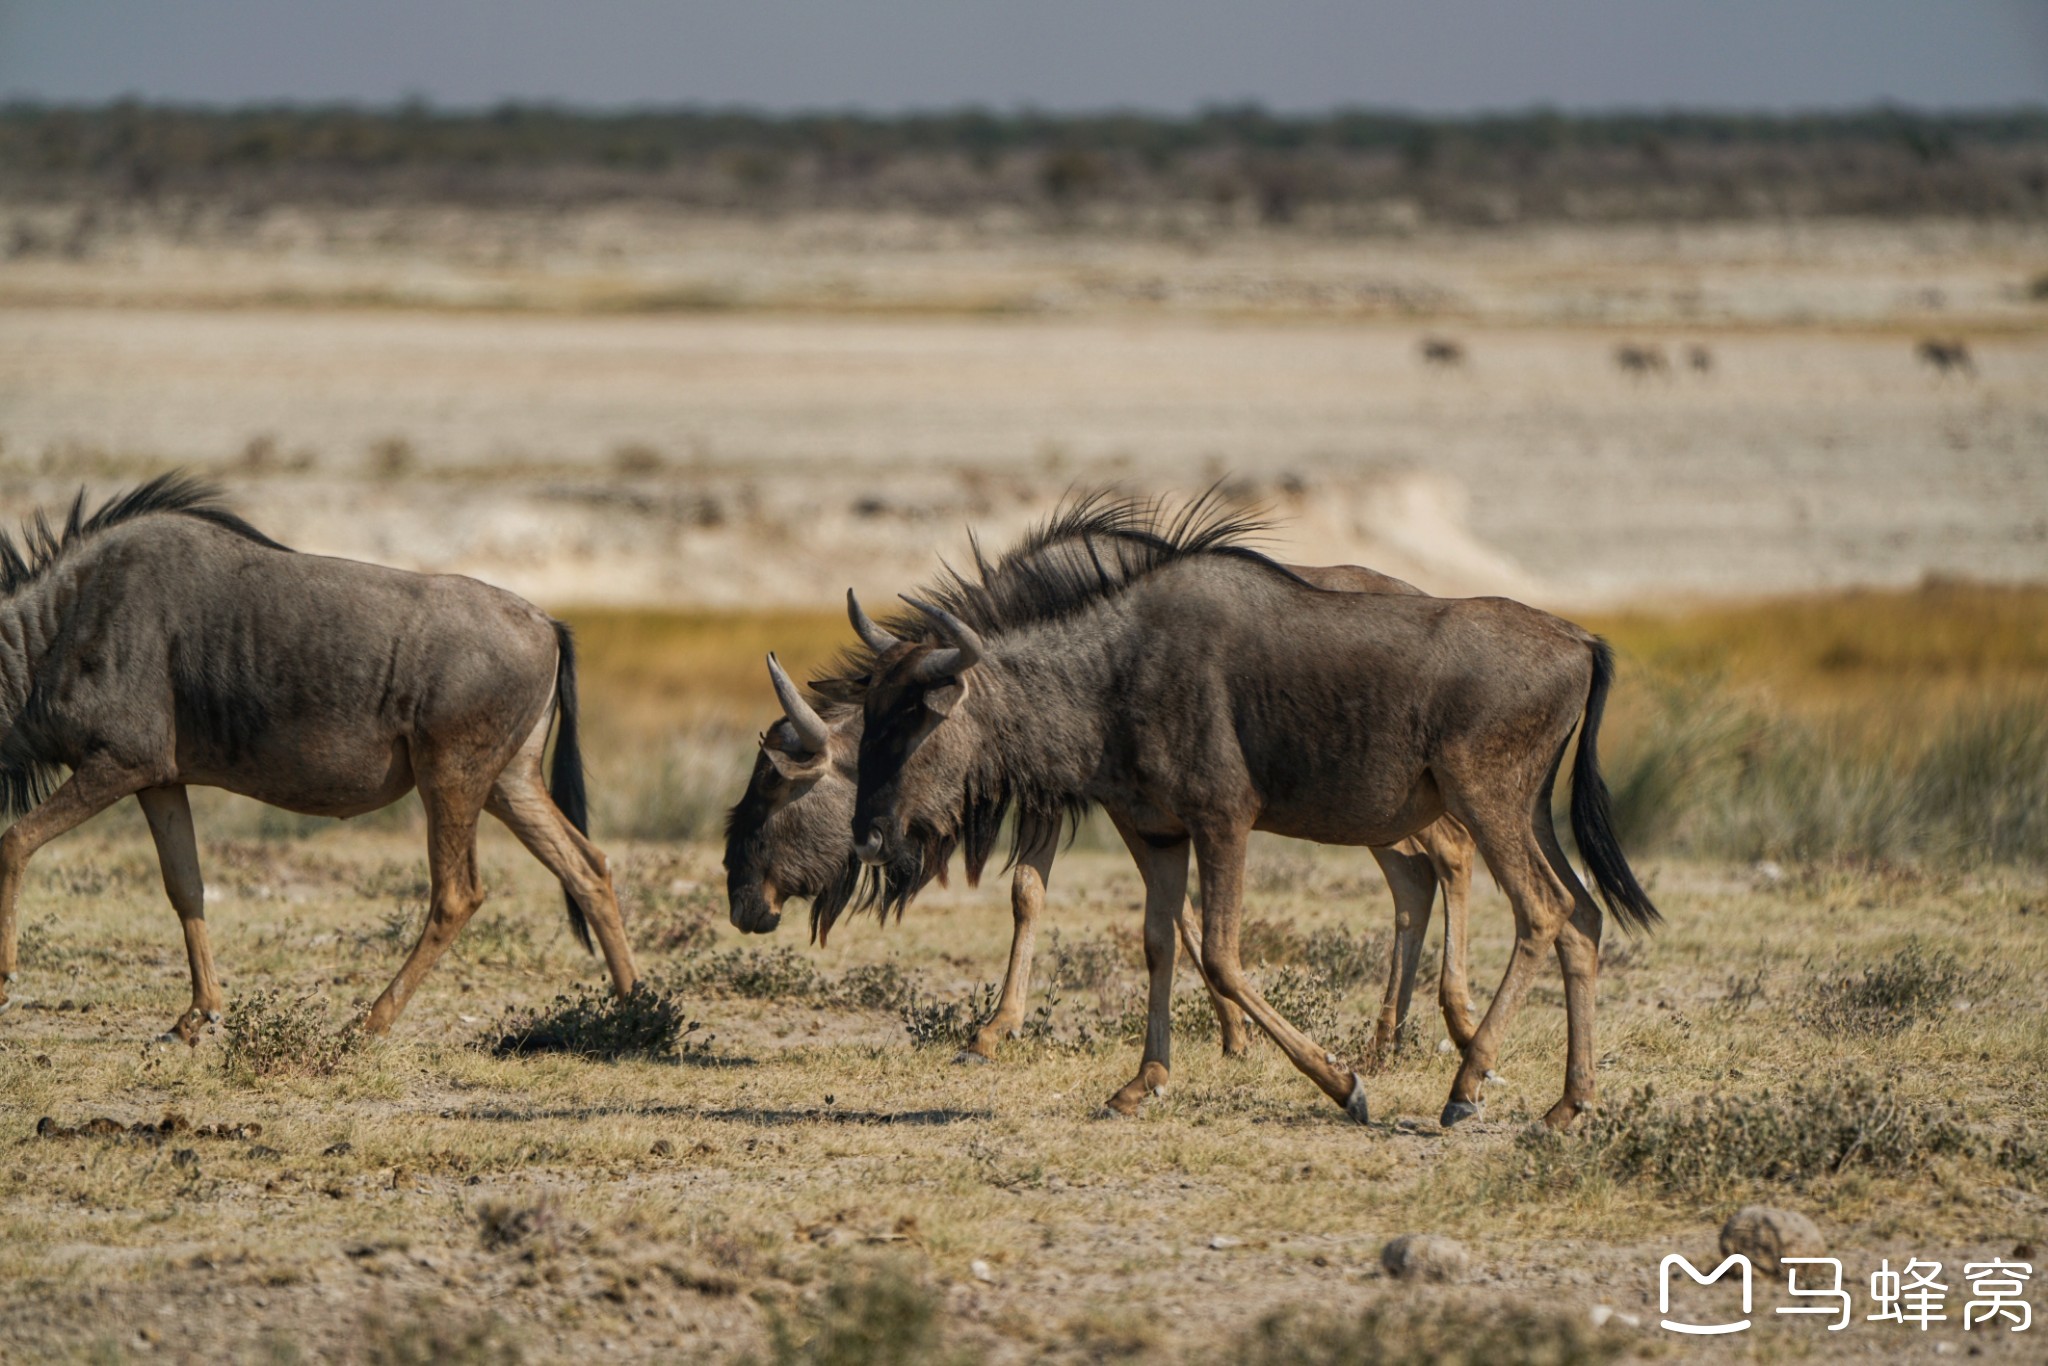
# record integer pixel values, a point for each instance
(810, 727)
(873, 636)
(967, 648)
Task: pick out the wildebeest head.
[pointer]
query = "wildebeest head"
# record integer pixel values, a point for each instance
(917, 745)
(790, 834)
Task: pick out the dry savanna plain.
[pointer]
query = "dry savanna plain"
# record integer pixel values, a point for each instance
(1821, 562)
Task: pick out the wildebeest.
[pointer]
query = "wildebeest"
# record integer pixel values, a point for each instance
(1638, 360)
(1700, 359)
(790, 833)
(1946, 356)
(1198, 690)
(1442, 352)
(162, 642)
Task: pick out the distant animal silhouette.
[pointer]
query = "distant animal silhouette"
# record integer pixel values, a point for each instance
(1700, 359)
(1442, 351)
(1637, 360)
(1946, 356)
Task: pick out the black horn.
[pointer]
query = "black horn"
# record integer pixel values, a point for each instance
(967, 648)
(810, 727)
(873, 636)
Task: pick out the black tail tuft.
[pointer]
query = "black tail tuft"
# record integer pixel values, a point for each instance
(565, 777)
(1593, 813)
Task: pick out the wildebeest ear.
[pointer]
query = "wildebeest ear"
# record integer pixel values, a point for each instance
(941, 700)
(794, 766)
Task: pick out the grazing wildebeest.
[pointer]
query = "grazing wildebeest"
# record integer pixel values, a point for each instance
(790, 833)
(1946, 356)
(1700, 359)
(1442, 352)
(1198, 691)
(162, 642)
(1637, 360)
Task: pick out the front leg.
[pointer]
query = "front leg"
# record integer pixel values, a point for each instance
(177, 855)
(1027, 900)
(1220, 852)
(1237, 1041)
(1166, 889)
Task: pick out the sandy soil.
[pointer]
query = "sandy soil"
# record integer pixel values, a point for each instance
(771, 459)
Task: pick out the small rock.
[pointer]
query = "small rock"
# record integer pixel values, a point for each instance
(1425, 1257)
(341, 1149)
(662, 1148)
(1446, 1047)
(1767, 873)
(1766, 1235)
(1223, 1242)
(980, 1271)
(1602, 1314)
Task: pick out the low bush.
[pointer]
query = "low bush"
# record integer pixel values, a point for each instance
(881, 1314)
(1911, 987)
(933, 1022)
(276, 1034)
(649, 1022)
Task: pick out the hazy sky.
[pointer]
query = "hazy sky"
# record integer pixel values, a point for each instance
(1429, 55)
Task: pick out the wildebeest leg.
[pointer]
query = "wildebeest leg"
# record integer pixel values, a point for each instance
(520, 799)
(1027, 899)
(1451, 849)
(1507, 838)
(1578, 954)
(1221, 856)
(457, 892)
(91, 789)
(177, 854)
(1166, 891)
(1237, 1041)
(1411, 877)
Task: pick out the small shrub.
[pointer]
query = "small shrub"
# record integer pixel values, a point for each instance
(874, 986)
(1444, 1332)
(880, 1315)
(1345, 960)
(664, 922)
(502, 1225)
(647, 1023)
(1909, 988)
(1088, 963)
(1714, 1143)
(934, 1023)
(758, 974)
(272, 1034)
(1305, 1000)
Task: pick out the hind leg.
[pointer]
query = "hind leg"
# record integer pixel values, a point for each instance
(1504, 824)
(1411, 877)
(520, 799)
(457, 892)
(1451, 850)
(1578, 954)
(91, 789)
(177, 855)
(1230, 1026)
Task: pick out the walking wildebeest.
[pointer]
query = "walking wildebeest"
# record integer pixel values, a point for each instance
(1946, 356)
(162, 642)
(1700, 359)
(1442, 352)
(1637, 360)
(790, 833)
(1199, 691)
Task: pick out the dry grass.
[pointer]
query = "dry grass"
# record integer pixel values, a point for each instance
(682, 1207)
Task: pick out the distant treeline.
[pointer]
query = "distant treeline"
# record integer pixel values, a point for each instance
(1240, 161)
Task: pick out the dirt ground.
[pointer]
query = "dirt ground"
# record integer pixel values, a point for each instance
(649, 1209)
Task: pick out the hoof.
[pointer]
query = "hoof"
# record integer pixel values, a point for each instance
(1355, 1107)
(169, 1036)
(1458, 1111)
(967, 1057)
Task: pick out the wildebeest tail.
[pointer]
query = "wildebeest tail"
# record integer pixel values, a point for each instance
(1593, 812)
(565, 777)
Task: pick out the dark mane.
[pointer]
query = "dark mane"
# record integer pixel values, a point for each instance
(41, 544)
(1092, 548)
